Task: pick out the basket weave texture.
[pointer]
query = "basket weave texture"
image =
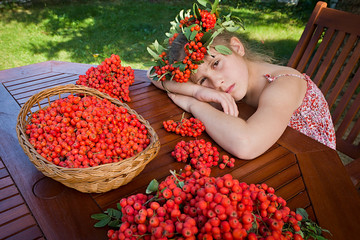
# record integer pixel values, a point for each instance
(100, 178)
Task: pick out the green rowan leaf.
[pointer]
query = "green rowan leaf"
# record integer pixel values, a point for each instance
(205, 3)
(153, 54)
(303, 213)
(152, 187)
(196, 11)
(211, 39)
(223, 49)
(232, 29)
(187, 32)
(181, 14)
(103, 222)
(114, 223)
(99, 216)
(214, 6)
(193, 35)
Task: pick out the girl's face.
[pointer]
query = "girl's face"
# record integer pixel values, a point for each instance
(226, 73)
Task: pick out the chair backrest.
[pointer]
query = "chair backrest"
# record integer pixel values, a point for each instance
(329, 51)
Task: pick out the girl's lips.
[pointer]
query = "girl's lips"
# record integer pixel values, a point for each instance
(230, 88)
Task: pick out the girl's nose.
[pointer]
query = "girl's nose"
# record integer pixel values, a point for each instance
(217, 82)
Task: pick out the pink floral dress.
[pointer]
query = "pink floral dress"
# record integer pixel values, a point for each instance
(313, 117)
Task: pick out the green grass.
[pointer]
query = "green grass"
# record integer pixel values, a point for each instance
(75, 31)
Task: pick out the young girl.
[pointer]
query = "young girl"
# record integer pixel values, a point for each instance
(281, 95)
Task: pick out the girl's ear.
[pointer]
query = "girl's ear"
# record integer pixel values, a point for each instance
(237, 46)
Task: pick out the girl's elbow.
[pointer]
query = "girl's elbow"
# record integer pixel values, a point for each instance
(246, 150)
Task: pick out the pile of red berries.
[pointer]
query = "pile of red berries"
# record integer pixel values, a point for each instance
(109, 77)
(77, 132)
(198, 153)
(227, 162)
(191, 127)
(193, 205)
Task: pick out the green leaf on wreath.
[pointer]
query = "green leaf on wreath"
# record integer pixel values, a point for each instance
(205, 3)
(206, 37)
(214, 6)
(196, 11)
(223, 49)
(152, 53)
(187, 33)
(193, 35)
(232, 29)
(211, 39)
(152, 187)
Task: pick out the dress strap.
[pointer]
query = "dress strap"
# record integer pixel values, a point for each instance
(271, 78)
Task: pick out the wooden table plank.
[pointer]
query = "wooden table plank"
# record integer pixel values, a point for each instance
(324, 178)
(25, 175)
(293, 165)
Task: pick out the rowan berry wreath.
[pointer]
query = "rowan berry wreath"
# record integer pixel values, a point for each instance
(200, 27)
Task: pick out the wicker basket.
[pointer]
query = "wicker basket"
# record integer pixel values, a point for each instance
(98, 179)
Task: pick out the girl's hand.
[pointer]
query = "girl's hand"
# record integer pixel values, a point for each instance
(182, 101)
(226, 101)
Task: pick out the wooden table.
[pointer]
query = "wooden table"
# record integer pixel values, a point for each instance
(304, 172)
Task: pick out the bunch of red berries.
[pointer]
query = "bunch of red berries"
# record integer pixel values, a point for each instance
(194, 49)
(164, 72)
(227, 162)
(193, 205)
(109, 77)
(83, 132)
(191, 127)
(208, 20)
(198, 153)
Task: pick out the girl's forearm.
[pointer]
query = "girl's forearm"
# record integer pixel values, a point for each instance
(187, 88)
(232, 133)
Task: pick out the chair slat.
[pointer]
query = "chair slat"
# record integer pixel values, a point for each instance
(327, 63)
(315, 61)
(329, 52)
(356, 129)
(306, 36)
(309, 49)
(349, 117)
(340, 20)
(345, 52)
(353, 84)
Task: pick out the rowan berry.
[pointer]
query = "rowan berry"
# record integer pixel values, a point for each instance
(112, 78)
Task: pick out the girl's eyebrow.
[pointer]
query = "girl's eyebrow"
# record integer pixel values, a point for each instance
(208, 64)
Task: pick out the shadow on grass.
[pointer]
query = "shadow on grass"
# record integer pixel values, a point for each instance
(125, 28)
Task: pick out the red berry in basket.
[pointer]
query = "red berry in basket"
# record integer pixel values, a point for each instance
(85, 132)
(109, 77)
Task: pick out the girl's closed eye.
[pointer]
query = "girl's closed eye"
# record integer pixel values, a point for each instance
(201, 81)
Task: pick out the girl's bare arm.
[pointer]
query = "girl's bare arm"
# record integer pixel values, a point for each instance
(248, 139)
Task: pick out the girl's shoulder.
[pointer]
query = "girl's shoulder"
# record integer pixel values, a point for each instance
(283, 72)
(285, 85)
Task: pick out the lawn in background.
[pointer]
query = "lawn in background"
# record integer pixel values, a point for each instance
(90, 31)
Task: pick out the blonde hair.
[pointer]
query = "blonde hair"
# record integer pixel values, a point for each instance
(251, 53)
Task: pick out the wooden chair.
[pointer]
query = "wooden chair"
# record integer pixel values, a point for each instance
(329, 51)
